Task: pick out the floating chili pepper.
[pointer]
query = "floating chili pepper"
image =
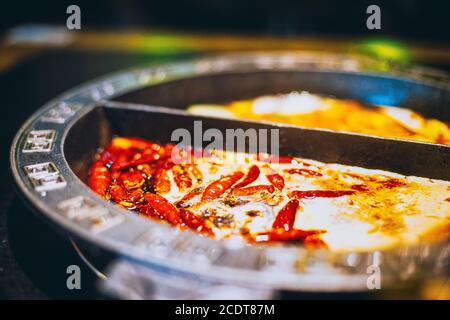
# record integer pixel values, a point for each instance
(196, 173)
(359, 187)
(146, 169)
(162, 182)
(148, 212)
(147, 156)
(99, 178)
(122, 162)
(181, 155)
(182, 202)
(276, 180)
(286, 217)
(181, 177)
(392, 183)
(304, 172)
(273, 158)
(163, 207)
(131, 179)
(124, 197)
(319, 194)
(110, 154)
(218, 187)
(303, 163)
(195, 223)
(252, 190)
(252, 175)
(127, 163)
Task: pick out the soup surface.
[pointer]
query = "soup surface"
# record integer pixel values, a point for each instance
(313, 111)
(267, 199)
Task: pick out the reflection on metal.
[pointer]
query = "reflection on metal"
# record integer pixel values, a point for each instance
(97, 272)
(61, 112)
(45, 176)
(180, 246)
(39, 141)
(128, 280)
(95, 217)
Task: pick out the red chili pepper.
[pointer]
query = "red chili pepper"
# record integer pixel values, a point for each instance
(166, 163)
(110, 154)
(195, 223)
(319, 194)
(99, 178)
(276, 180)
(283, 235)
(392, 183)
(135, 196)
(130, 152)
(131, 179)
(149, 155)
(359, 187)
(162, 182)
(148, 212)
(252, 175)
(146, 169)
(186, 198)
(163, 207)
(122, 162)
(218, 187)
(179, 155)
(304, 172)
(181, 177)
(273, 158)
(187, 154)
(196, 173)
(286, 217)
(199, 153)
(252, 190)
(282, 159)
(168, 149)
(125, 198)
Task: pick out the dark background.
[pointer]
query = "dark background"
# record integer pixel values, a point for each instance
(407, 19)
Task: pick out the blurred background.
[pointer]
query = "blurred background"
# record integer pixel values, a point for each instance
(414, 29)
(408, 19)
(40, 58)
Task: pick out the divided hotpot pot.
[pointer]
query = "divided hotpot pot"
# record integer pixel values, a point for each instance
(52, 152)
